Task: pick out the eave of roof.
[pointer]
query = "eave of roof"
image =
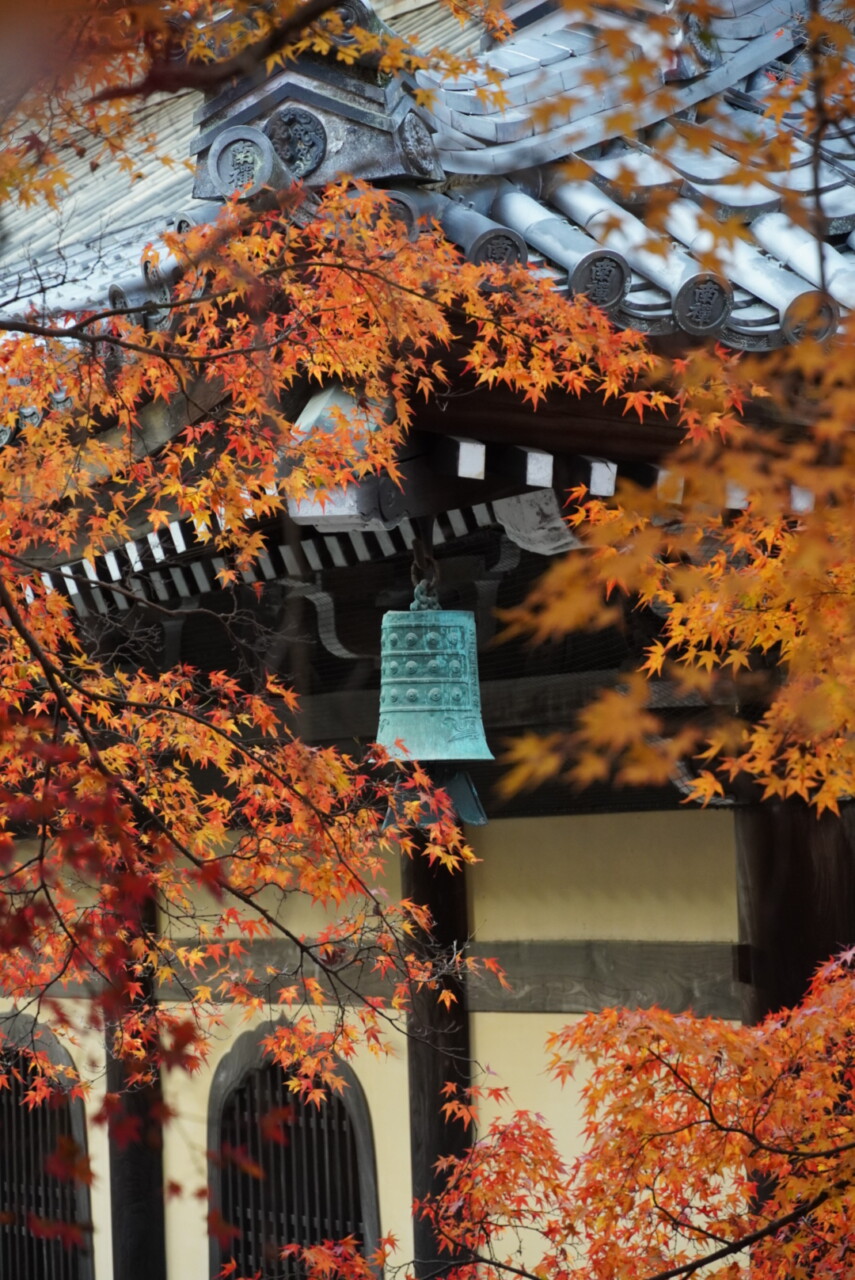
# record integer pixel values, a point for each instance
(69, 259)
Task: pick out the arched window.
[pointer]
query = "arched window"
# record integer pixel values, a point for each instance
(36, 1205)
(284, 1171)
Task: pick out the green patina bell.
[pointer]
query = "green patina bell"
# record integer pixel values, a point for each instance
(429, 695)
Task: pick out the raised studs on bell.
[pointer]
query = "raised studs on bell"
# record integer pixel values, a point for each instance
(431, 701)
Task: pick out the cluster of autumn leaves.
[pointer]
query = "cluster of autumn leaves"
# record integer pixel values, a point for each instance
(710, 1147)
(153, 823)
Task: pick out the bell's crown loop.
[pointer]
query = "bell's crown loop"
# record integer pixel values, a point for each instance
(424, 596)
(430, 702)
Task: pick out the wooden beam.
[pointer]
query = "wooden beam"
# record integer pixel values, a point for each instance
(549, 976)
(137, 1183)
(426, 491)
(668, 485)
(560, 425)
(547, 701)
(505, 704)
(583, 977)
(458, 456)
(532, 468)
(598, 475)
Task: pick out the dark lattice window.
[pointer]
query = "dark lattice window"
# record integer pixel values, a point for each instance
(34, 1204)
(289, 1174)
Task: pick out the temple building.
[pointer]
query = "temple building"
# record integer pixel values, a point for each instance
(589, 899)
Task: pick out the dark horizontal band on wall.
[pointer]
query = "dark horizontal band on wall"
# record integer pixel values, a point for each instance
(582, 977)
(556, 976)
(544, 977)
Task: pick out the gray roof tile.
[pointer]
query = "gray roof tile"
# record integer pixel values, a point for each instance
(572, 39)
(753, 269)
(104, 225)
(739, 8)
(500, 127)
(636, 164)
(599, 124)
(508, 60)
(545, 51)
(729, 199)
(484, 103)
(798, 249)
(447, 138)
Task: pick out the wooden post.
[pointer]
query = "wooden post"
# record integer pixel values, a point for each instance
(438, 1050)
(136, 1164)
(796, 894)
(136, 1183)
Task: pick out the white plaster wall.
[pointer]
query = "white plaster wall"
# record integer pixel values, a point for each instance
(509, 1048)
(632, 876)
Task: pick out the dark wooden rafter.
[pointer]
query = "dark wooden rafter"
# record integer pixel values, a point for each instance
(561, 424)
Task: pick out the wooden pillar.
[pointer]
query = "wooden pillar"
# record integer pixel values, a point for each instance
(136, 1182)
(137, 1185)
(796, 895)
(438, 1049)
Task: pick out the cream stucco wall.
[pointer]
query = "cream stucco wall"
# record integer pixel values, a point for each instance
(98, 1146)
(643, 876)
(383, 1080)
(509, 1048)
(633, 876)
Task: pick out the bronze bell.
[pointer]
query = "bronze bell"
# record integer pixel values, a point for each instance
(429, 695)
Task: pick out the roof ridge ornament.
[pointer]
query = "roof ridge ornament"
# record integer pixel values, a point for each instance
(243, 159)
(695, 50)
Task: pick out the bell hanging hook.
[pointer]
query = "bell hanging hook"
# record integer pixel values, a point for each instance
(424, 571)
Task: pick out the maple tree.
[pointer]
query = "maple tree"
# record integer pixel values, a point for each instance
(128, 793)
(104, 815)
(709, 1147)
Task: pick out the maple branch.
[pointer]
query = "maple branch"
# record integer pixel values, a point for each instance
(166, 76)
(795, 1153)
(75, 946)
(682, 1225)
(54, 678)
(752, 1238)
(687, 1268)
(185, 712)
(466, 313)
(74, 942)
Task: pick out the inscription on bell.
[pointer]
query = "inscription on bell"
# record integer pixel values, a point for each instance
(429, 695)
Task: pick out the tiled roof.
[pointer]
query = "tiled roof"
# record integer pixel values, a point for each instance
(506, 166)
(69, 257)
(493, 175)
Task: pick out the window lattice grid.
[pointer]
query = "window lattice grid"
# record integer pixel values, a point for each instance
(29, 1194)
(295, 1182)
